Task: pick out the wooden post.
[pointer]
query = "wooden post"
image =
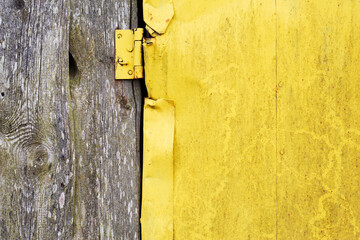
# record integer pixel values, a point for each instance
(69, 133)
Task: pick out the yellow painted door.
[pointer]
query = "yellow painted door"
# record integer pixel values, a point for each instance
(252, 129)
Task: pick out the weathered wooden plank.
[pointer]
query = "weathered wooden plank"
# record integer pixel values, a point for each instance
(36, 174)
(69, 134)
(106, 120)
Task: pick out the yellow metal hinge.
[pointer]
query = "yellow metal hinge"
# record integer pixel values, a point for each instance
(128, 54)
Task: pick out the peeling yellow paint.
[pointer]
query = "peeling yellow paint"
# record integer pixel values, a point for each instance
(267, 133)
(157, 195)
(219, 68)
(158, 14)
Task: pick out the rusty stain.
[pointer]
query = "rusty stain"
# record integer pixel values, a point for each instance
(123, 101)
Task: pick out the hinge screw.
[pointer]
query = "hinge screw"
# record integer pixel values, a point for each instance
(121, 62)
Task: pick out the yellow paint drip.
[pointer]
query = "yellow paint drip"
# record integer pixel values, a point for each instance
(267, 133)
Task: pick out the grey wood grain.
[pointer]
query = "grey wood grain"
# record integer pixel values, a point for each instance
(106, 118)
(36, 175)
(69, 137)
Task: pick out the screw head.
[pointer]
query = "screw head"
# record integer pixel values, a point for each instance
(130, 48)
(119, 36)
(130, 72)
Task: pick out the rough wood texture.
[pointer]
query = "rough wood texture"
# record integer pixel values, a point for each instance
(69, 137)
(106, 116)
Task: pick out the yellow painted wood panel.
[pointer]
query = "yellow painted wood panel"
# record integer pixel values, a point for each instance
(158, 174)
(267, 117)
(217, 62)
(318, 52)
